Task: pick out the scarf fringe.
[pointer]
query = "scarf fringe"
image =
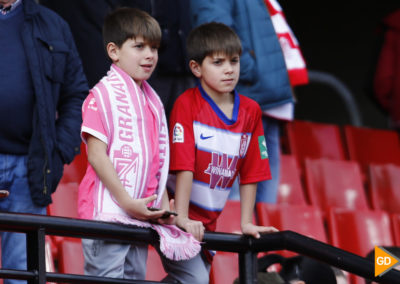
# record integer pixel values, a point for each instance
(187, 247)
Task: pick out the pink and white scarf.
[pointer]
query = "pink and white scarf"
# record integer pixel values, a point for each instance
(122, 107)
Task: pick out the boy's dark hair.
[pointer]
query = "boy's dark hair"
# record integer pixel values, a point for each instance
(211, 38)
(129, 23)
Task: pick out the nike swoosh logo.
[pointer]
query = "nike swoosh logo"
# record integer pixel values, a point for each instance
(205, 137)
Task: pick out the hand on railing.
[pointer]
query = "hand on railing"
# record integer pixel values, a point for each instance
(254, 230)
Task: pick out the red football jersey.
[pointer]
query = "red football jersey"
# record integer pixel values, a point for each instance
(216, 149)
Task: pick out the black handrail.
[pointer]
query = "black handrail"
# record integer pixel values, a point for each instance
(325, 78)
(37, 226)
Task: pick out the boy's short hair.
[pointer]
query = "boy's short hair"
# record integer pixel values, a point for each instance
(208, 39)
(128, 23)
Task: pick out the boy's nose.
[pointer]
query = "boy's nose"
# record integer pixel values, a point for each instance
(229, 68)
(149, 52)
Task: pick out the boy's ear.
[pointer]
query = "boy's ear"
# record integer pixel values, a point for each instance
(195, 68)
(113, 51)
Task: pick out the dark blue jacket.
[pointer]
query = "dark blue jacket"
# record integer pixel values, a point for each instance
(60, 87)
(263, 73)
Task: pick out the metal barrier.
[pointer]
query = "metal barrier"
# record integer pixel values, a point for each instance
(342, 90)
(37, 226)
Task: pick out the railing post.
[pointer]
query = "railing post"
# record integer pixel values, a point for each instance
(36, 261)
(248, 267)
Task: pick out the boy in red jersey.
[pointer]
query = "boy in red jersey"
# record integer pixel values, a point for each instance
(215, 135)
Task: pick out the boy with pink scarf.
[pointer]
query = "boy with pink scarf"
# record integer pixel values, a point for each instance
(125, 130)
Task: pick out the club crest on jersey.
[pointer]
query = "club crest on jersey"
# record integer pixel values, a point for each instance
(178, 134)
(243, 145)
(220, 171)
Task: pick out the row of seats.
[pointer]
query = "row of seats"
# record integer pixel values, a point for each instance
(338, 183)
(305, 139)
(356, 231)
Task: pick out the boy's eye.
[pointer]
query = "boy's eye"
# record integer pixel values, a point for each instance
(139, 45)
(217, 62)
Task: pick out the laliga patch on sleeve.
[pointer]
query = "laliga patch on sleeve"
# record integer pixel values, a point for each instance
(263, 147)
(178, 134)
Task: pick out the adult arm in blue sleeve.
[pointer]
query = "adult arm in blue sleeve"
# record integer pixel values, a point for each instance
(73, 91)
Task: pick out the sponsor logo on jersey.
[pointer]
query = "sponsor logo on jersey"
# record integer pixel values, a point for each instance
(263, 147)
(204, 137)
(220, 171)
(178, 134)
(92, 104)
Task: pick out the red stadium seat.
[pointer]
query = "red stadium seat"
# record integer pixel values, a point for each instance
(75, 171)
(396, 228)
(384, 184)
(302, 219)
(65, 204)
(367, 146)
(225, 268)
(359, 231)
(50, 267)
(229, 220)
(65, 201)
(155, 270)
(290, 188)
(335, 183)
(313, 140)
(71, 258)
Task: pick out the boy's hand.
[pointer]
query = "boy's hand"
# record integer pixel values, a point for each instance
(196, 228)
(137, 208)
(254, 230)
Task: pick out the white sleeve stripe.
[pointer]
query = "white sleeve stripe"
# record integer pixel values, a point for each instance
(94, 133)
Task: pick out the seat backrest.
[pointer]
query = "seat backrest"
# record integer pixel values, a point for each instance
(225, 268)
(65, 204)
(155, 270)
(368, 145)
(396, 228)
(65, 200)
(75, 171)
(359, 231)
(229, 220)
(290, 189)
(315, 140)
(302, 219)
(71, 259)
(335, 183)
(384, 184)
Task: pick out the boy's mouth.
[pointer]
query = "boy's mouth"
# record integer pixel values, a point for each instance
(147, 67)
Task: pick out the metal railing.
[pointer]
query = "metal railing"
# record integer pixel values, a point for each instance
(325, 78)
(37, 226)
